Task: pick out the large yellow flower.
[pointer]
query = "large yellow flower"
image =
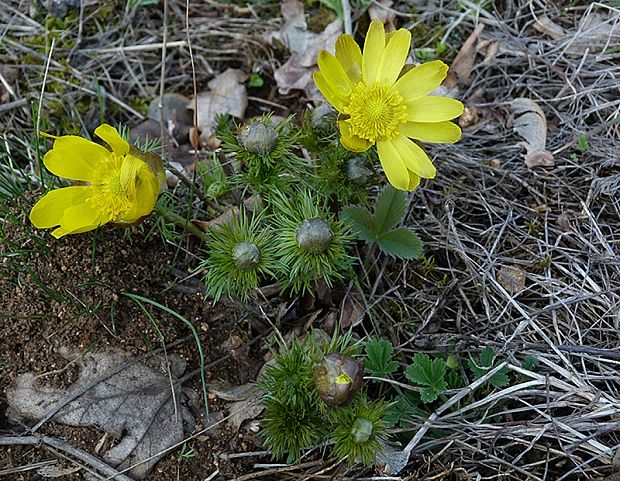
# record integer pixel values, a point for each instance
(117, 186)
(379, 106)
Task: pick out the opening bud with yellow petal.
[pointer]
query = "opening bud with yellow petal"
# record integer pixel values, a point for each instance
(338, 379)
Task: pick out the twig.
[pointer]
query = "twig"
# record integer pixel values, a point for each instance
(63, 446)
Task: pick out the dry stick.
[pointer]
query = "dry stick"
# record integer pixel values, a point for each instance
(162, 79)
(283, 469)
(66, 448)
(346, 13)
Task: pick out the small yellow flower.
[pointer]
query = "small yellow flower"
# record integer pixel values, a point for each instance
(117, 186)
(380, 106)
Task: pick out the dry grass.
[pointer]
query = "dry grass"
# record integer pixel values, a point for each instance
(485, 212)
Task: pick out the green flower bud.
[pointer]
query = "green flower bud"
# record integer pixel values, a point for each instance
(338, 379)
(361, 430)
(357, 172)
(246, 255)
(323, 118)
(314, 235)
(258, 138)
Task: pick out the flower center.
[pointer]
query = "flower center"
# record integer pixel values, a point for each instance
(109, 196)
(376, 112)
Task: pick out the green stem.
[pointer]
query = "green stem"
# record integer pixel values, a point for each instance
(180, 221)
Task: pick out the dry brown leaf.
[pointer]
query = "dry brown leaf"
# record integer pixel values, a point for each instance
(227, 95)
(547, 26)
(352, 311)
(296, 73)
(531, 125)
(134, 403)
(511, 278)
(463, 64)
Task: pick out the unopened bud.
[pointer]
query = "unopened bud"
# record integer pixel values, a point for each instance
(314, 235)
(246, 255)
(258, 138)
(323, 119)
(338, 379)
(357, 172)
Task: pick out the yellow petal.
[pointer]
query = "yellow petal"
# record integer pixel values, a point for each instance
(394, 56)
(414, 157)
(350, 140)
(374, 45)
(111, 137)
(145, 195)
(328, 93)
(349, 55)
(74, 157)
(129, 171)
(50, 208)
(393, 166)
(414, 180)
(438, 132)
(79, 218)
(335, 75)
(433, 109)
(422, 80)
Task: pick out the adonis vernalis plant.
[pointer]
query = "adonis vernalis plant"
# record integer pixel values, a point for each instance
(119, 186)
(378, 105)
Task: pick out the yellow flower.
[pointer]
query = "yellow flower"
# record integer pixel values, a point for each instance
(117, 186)
(380, 106)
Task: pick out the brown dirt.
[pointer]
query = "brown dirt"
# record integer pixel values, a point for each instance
(70, 294)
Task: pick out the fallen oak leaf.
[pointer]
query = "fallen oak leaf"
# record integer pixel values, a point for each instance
(136, 405)
(531, 125)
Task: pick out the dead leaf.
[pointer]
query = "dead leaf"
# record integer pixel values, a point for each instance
(245, 410)
(134, 404)
(531, 124)
(304, 45)
(463, 64)
(175, 110)
(547, 26)
(469, 117)
(380, 10)
(228, 96)
(596, 31)
(228, 392)
(511, 278)
(352, 311)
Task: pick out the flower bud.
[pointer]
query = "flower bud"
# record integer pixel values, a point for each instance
(323, 119)
(246, 255)
(338, 379)
(361, 430)
(258, 138)
(314, 235)
(357, 172)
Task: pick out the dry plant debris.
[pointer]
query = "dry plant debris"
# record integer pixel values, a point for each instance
(486, 211)
(531, 124)
(227, 95)
(135, 402)
(304, 45)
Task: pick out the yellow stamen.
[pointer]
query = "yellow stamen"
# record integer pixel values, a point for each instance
(109, 196)
(376, 112)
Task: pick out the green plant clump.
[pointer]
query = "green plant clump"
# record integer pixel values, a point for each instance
(298, 416)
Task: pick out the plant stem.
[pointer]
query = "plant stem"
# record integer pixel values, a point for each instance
(177, 220)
